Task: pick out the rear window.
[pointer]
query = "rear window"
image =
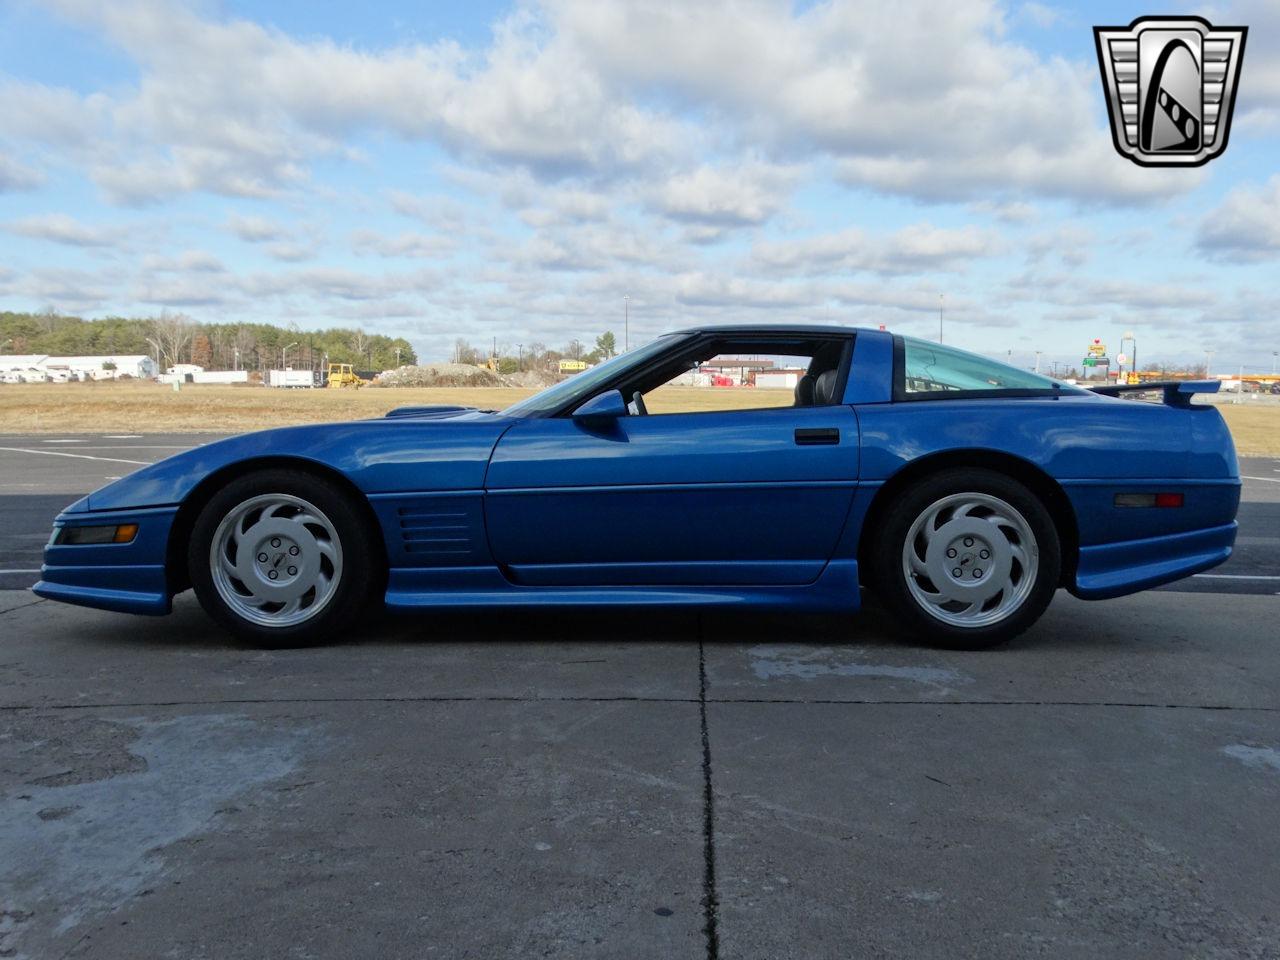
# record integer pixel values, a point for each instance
(930, 369)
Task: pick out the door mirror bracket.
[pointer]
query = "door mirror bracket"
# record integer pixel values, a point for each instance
(602, 409)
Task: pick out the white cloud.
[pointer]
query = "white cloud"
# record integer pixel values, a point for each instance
(1245, 227)
(1040, 14)
(408, 244)
(915, 97)
(909, 250)
(257, 229)
(16, 178)
(718, 197)
(60, 228)
(188, 261)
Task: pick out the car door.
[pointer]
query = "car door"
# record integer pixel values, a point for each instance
(734, 497)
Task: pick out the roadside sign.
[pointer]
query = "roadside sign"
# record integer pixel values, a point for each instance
(1122, 358)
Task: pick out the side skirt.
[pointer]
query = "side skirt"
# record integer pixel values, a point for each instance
(835, 591)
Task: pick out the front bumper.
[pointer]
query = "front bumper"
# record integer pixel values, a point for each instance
(124, 577)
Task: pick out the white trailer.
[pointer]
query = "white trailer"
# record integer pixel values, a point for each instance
(291, 378)
(220, 376)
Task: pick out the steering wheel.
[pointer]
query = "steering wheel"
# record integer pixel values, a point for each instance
(638, 400)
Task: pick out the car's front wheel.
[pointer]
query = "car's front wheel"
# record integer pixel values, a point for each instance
(282, 559)
(967, 558)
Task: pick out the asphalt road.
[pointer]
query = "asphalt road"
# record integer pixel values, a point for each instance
(550, 784)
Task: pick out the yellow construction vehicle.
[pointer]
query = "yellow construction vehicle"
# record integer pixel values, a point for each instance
(342, 375)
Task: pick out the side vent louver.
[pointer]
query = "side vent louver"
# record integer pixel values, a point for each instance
(435, 531)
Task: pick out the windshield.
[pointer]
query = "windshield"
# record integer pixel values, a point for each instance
(583, 386)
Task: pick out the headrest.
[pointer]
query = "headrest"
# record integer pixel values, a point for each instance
(824, 389)
(804, 390)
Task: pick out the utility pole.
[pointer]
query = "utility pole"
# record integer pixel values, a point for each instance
(626, 322)
(519, 357)
(940, 296)
(1037, 361)
(1208, 359)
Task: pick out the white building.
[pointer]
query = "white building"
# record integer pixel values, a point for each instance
(37, 368)
(23, 368)
(138, 366)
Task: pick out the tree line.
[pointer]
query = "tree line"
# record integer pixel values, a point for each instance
(173, 338)
(534, 355)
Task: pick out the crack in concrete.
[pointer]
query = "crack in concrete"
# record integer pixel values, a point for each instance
(800, 701)
(23, 606)
(710, 896)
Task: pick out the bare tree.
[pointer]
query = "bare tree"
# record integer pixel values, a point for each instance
(174, 332)
(359, 345)
(242, 348)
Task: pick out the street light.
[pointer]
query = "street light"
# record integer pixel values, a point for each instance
(1037, 361)
(158, 351)
(1133, 349)
(626, 322)
(940, 298)
(1208, 359)
(284, 354)
(519, 357)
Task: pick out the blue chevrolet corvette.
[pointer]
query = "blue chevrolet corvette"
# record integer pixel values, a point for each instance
(963, 492)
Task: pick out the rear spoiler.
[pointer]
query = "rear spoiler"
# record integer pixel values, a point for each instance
(1177, 393)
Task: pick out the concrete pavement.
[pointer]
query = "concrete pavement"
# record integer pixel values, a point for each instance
(659, 785)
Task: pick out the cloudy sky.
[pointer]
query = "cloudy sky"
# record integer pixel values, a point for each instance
(515, 169)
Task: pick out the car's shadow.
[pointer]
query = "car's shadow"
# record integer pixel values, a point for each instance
(189, 629)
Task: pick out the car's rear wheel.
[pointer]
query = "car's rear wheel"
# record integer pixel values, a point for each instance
(282, 559)
(967, 558)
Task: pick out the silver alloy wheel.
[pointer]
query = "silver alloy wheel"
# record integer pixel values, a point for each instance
(276, 560)
(970, 560)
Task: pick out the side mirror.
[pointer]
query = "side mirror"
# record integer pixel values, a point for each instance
(603, 408)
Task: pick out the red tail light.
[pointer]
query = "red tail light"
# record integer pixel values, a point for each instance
(1148, 500)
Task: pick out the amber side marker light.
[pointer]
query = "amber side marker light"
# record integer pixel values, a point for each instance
(1148, 500)
(87, 536)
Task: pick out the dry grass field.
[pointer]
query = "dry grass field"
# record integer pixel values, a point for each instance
(152, 408)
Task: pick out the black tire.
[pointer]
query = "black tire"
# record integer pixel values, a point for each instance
(889, 578)
(353, 591)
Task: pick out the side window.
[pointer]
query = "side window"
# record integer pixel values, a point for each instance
(730, 382)
(932, 369)
(748, 377)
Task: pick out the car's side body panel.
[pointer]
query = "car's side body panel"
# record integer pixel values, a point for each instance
(1094, 448)
(737, 497)
(1075, 437)
(377, 456)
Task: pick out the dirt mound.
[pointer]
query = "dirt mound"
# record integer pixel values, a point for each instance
(440, 375)
(463, 375)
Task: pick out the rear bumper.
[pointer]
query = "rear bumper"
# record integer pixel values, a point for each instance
(1115, 569)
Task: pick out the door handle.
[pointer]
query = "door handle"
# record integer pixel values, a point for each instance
(811, 436)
